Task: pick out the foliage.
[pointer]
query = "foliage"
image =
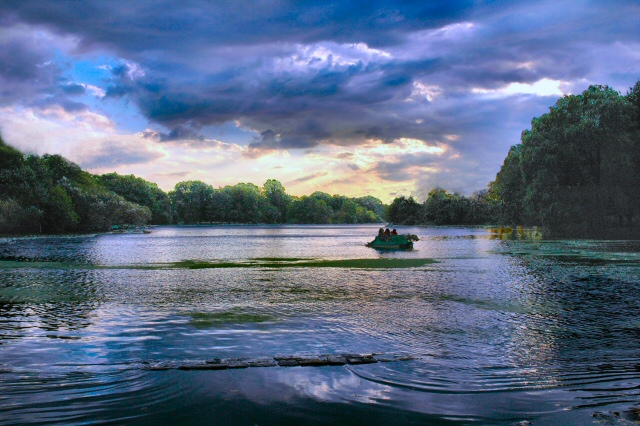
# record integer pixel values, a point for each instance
(50, 194)
(278, 199)
(443, 208)
(576, 171)
(309, 210)
(139, 191)
(61, 214)
(576, 163)
(15, 219)
(192, 201)
(98, 209)
(404, 211)
(508, 188)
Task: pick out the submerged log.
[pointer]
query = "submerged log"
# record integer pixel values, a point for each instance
(280, 361)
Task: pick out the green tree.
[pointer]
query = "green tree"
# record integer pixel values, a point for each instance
(443, 208)
(248, 203)
(192, 201)
(576, 162)
(309, 210)
(16, 219)
(139, 191)
(278, 199)
(59, 212)
(374, 205)
(404, 211)
(508, 188)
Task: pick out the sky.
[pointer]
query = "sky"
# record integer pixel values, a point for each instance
(378, 98)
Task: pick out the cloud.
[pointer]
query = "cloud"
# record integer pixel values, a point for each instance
(113, 154)
(73, 89)
(543, 87)
(329, 77)
(307, 178)
(178, 133)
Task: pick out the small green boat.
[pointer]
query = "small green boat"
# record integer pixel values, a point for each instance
(393, 242)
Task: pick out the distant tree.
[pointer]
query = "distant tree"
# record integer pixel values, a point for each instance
(404, 211)
(323, 196)
(277, 199)
(309, 210)
(633, 96)
(482, 209)
(443, 208)
(374, 205)
(247, 203)
(139, 191)
(348, 212)
(221, 205)
(99, 210)
(60, 168)
(192, 201)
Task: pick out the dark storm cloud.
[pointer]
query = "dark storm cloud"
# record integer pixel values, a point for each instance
(28, 75)
(302, 74)
(142, 25)
(267, 139)
(72, 89)
(178, 133)
(405, 167)
(25, 70)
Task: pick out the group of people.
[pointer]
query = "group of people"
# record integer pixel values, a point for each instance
(385, 234)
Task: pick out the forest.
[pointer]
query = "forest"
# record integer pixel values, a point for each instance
(576, 172)
(50, 195)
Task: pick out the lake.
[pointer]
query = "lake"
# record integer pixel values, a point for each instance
(465, 328)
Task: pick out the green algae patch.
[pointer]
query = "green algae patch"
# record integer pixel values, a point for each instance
(366, 263)
(233, 316)
(271, 263)
(582, 260)
(203, 264)
(307, 263)
(280, 259)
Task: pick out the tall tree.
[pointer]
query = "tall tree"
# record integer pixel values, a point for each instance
(508, 188)
(576, 161)
(139, 191)
(192, 201)
(278, 199)
(404, 211)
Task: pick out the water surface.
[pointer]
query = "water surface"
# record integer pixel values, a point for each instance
(479, 330)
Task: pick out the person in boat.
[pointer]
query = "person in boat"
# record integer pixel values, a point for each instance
(387, 234)
(394, 232)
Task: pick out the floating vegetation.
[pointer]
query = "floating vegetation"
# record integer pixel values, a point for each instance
(233, 316)
(584, 260)
(378, 263)
(519, 233)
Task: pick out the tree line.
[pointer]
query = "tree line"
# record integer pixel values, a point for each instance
(576, 172)
(49, 194)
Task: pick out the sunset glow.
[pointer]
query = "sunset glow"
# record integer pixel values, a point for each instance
(388, 100)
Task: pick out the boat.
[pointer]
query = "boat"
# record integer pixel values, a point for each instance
(393, 242)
